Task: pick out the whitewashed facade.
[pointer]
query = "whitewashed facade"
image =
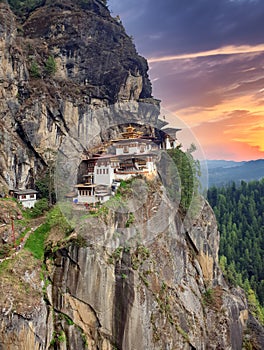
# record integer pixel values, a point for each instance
(104, 172)
(27, 198)
(130, 156)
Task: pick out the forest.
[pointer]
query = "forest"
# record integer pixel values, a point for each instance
(239, 210)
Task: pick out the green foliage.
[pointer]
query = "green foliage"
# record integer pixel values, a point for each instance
(140, 255)
(21, 7)
(188, 170)
(208, 297)
(130, 220)
(45, 186)
(144, 279)
(124, 184)
(40, 207)
(182, 332)
(68, 320)
(247, 345)
(61, 338)
(22, 235)
(34, 70)
(55, 218)
(239, 212)
(50, 66)
(117, 253)
(254, 306)
(84, 339)
(36, 241)
(115, 202)
(58, 338)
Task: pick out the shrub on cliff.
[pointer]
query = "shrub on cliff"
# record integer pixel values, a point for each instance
(21, 7)
(39, 209)
(50, 66)
(189, 171)
(34, 70)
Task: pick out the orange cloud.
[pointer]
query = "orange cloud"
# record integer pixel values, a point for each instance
(225, 50)
(234, 138)
(220, 98)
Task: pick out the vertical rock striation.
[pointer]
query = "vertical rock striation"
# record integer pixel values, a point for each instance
(158, 294)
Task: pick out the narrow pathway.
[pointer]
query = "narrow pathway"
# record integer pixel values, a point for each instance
(40, 221)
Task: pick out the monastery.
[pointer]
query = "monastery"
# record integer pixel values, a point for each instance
(127, 157)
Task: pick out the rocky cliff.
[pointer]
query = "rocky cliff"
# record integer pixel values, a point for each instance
(117, 283)
(146, 278)
(58, 64)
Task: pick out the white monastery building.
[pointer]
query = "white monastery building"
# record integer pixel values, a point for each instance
(26, 197)
(129, 156)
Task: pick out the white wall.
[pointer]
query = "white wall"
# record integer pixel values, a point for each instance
(103, 199)
(27, 202)
(103, 175)
(85, 199)
(123, 176)
(131, 150)
(167, 143)
(151, 166)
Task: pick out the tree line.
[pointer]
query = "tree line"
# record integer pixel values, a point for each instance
(240, 215)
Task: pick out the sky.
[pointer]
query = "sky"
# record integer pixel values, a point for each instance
(206, 60)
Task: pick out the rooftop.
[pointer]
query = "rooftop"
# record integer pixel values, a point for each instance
(141, 140)
(26, 191)
(170, 131)
(85, 185)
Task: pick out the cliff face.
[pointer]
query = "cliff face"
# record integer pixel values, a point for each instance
(153, 283)
(96, 65)
(160, 293)
(146, 285)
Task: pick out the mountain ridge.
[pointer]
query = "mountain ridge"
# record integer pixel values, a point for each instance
(221, 172)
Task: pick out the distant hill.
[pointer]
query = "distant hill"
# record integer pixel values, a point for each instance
(222, 172)
(212, 164)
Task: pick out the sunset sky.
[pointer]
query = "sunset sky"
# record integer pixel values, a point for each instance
(206, 60)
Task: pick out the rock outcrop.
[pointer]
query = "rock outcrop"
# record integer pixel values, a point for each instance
(116, 283)
(150, 293)
(57, 65)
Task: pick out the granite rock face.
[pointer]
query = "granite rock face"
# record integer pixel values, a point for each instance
(110, 285)
(95, 65)
(151, 295)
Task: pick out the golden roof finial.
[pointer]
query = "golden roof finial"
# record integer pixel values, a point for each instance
(131, 133)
